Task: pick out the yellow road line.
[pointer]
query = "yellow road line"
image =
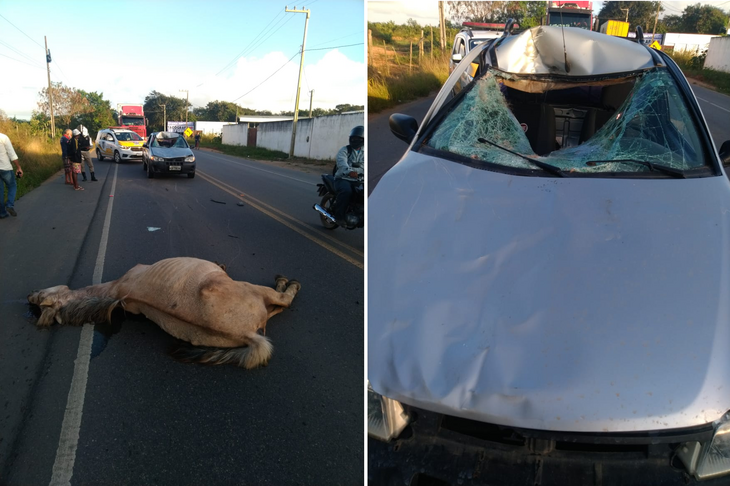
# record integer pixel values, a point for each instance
(280, 217)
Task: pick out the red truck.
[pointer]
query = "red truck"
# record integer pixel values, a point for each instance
(132, 118)
(570, 14)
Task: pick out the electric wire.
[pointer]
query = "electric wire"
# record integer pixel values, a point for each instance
(343, 37)
(250, 47)
(22, 54)
(334, 47)
(262, 82)
(29, 37)
(22, 62)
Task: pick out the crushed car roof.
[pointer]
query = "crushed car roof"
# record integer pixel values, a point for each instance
(545, 49)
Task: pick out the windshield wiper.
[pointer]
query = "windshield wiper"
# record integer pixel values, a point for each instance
(653, 167)
(546, 167)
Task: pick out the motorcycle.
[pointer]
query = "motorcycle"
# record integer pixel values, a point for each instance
(355, 214)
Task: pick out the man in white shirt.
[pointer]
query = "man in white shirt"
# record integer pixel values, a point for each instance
(7, 155)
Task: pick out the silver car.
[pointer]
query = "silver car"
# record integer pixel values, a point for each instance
(168, 153)
(549, 275)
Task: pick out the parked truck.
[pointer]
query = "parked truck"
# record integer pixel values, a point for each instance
(570, 14)
(132, 118)
(617, 28)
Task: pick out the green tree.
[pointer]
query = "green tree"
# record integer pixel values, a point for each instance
(174, 108)
(640, 13)
(67, 103)
(703, 19)
(99, 116)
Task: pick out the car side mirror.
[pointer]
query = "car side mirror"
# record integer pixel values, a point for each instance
(457, 57)
(145, 145)
(725, 153)
(403, 126)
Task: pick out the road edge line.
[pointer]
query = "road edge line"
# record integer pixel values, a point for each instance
(63, 465)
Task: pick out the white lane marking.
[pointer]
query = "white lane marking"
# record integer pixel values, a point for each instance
(63, 466)
(713, 104)
(267, 171)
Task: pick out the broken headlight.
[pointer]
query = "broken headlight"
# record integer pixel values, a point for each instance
(706, 460)
(386, 417)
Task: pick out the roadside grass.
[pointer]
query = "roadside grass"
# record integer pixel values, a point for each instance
(39, 156)
(394, 79)
(692, 67)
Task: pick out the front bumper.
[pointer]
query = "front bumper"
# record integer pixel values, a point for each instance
(131, 154)
(172, 167)
(437, 449)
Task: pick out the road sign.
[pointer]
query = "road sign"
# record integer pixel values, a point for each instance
(656, 46)
(188, 132)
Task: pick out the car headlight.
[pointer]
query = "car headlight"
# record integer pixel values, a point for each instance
(386, 417)
(190, 158)
(156, 158)
(706, 460)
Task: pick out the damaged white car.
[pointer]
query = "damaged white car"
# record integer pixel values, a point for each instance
(549, 275)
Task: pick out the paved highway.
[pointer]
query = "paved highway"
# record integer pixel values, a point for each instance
(141, 417)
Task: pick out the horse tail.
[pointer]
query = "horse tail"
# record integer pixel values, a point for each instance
(257, 353)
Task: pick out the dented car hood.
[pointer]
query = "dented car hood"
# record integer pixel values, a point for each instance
(573, 304)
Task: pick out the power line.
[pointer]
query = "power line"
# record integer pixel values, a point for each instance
(22, 62)
(29, 37)
(26, 56)
(249, 48)
(262, 82)
(335, 47)
(343, 37)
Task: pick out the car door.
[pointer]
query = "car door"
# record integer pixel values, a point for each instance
(109, 144)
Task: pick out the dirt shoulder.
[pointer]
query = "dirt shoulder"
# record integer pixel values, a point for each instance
(303, 165)
(701, 83)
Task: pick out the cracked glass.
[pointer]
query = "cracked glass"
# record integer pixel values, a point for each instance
(581, 129)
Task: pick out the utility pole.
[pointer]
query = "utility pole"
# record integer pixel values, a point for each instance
(299, 82)
(50, 88)
(164, 117)
(627, 13)
(442, 26)
(311, 96)
(187, 96)
(656, 18)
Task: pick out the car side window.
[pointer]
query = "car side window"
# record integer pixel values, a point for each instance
(462, 49)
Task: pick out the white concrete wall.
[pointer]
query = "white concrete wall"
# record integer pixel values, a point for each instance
(317, 138)
(235, 134)
(211, 127)
(687, 42)
(718, 55)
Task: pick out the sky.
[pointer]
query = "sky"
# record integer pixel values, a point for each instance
(216, 50)
(425, 12)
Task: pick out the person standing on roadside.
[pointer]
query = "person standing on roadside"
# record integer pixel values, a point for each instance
(65, 156)
(74, 153)
(85, 144)
(197, 140)
(8, 155)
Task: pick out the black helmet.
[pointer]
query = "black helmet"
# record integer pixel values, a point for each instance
(357, 137)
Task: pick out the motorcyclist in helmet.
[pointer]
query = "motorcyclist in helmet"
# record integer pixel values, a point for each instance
(350, 167)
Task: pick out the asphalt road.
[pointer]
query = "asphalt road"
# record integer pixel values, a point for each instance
(385, 150)
(147, 419)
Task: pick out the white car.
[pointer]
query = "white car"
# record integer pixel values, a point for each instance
(118, 144)
(549, 275)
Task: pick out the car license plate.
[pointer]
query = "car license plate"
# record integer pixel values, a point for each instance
(175, 167)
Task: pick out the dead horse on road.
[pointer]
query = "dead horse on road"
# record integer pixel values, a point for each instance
(191, 299)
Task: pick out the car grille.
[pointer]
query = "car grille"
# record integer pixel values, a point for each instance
(136, 149)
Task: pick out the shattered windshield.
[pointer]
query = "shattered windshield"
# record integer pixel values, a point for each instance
(586, 128)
